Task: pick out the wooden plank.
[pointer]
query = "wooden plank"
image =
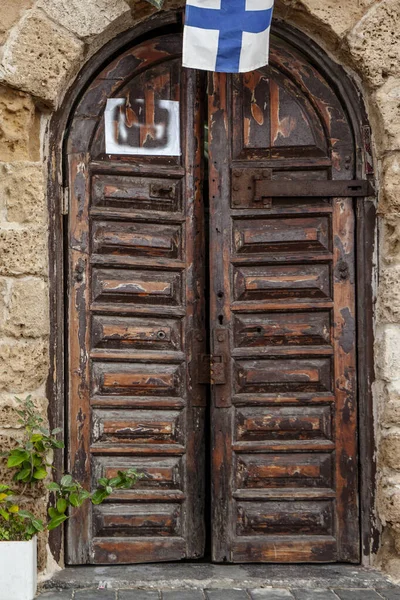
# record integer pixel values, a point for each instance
(285, 446)
(344, 335)
(143, 550)
(285, 494)
(283, 549)
(79, 529)
(220, 314)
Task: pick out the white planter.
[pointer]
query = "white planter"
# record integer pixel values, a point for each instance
(18, 570)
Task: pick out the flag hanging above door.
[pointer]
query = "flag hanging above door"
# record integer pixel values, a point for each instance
(228, 36)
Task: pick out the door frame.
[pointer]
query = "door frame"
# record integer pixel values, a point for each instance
(366, 237)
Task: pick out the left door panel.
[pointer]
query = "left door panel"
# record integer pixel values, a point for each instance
(136, 310)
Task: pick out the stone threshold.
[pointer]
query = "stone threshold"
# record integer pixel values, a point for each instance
(182, 576)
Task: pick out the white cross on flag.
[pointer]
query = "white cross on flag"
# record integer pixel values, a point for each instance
(228, 36)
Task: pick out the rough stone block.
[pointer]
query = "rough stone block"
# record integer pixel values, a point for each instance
(23, 251)
(390, 450)
(388, 502)
(375, 44)
(389, 226)
(28, 309)
(3, 300)
(388, 307)
(10, 13)
(39, 56)
(387, 352)
(9, 403)
(22, 192)
(387, 102)
(336, 17)
(389, 402)
(85, 19)
(23, 365)
(390, 183)
(19, 126)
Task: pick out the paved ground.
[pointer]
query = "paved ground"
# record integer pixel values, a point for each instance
(201, 581)
(226, 594)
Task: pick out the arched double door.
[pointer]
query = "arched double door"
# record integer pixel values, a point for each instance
(212, 312)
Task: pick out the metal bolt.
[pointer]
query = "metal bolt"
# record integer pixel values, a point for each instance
(236, 188)
(221, 337)
(199, 338)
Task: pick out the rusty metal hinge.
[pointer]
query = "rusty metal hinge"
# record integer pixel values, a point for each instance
(211, 369)
(65, 201)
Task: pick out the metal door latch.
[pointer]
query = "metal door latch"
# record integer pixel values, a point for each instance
(211, 369)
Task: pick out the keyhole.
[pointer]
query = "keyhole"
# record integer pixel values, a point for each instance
(161, 335)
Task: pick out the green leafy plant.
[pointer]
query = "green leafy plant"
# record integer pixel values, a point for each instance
(70, 493)
(31, 462)
(30, 459)
(16, 524)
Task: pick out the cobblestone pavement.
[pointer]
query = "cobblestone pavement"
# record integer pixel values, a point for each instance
(389, 593)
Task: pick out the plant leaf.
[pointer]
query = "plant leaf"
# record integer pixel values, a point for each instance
(61, 505)
(56, 522)
(16, 458)
(53, 487)
(74, 499)
(26, 514)
(99, 496)
(4, 514)
(66, 480)
(40, 473)
(37, 524)
(21, 475)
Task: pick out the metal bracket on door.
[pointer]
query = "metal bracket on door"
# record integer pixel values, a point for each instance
(265, 188)
(211, 369)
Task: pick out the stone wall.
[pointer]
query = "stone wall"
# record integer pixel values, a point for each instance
(43, 44)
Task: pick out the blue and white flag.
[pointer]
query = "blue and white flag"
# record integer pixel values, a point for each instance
(228, 36)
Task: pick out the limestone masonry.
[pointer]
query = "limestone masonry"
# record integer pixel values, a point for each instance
(43, 46)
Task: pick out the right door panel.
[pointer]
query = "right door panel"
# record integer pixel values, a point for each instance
(284, 481)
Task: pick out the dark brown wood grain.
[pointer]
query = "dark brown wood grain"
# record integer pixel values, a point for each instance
(276, 296)
(136, 239)
(282, 269)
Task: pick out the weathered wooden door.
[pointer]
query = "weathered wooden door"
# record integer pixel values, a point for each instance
(283, 311)
(137, 309)
(280, 300)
